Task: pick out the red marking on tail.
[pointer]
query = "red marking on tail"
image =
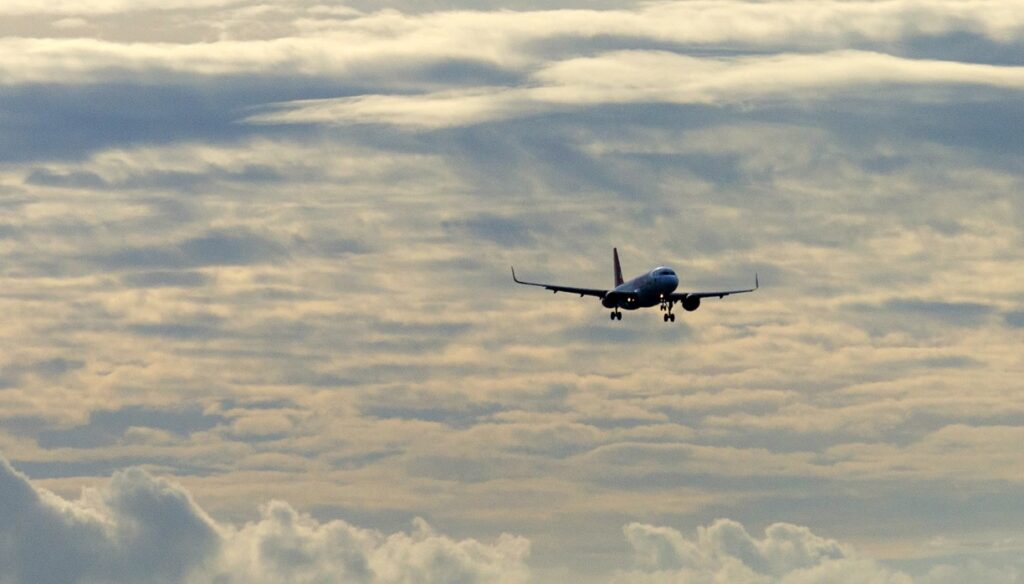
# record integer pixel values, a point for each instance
(618, 268)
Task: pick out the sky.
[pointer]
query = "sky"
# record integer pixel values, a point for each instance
(260, 325)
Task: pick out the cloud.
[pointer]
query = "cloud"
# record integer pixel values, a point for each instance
(142, 529)
(435, 110)
(651, 77)
(954, 313)
(975, 571)
(146, 530)
(631, 76)
(22, 7)
(287, 546)
(158, 279)
(227, 247)
(725, 552)
(318, 42)
(505, 231)
(107, 427)
(139, 529)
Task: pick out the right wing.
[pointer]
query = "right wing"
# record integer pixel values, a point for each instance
(680, 296)
(556, 289)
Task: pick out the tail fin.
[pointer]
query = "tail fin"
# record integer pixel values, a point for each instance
(618, 268)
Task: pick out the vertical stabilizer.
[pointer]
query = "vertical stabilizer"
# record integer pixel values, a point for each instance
(618, 268)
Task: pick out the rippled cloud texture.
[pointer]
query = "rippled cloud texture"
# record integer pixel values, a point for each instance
(259, 321)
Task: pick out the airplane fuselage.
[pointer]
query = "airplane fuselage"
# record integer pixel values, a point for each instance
(644, 291)
(655, 288)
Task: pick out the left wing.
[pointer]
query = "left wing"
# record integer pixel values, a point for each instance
(680, 296)
(556, 289)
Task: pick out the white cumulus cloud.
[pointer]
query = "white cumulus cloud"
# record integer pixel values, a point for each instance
(725, 552)
(143, 529)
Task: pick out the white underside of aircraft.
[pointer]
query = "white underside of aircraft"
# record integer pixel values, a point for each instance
(655, 288)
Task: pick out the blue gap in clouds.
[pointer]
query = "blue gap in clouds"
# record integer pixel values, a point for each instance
(544, 153)
(986, 125)
(1015, 319)
(963, 47)
(105, 427)
(69, 122)
(464, 416)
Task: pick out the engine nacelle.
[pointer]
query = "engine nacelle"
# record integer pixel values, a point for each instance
(691, 303)
(623, 300)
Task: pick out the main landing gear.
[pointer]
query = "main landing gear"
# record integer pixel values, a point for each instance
(667, 308)
(616, 315)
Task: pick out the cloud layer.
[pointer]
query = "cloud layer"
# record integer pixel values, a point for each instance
(142, 529)
(316, 308)
(654, 77)
(315, 40)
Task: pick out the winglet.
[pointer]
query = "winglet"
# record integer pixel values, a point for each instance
(756, 283)
(514, 279)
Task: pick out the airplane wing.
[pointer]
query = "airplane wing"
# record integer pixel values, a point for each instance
(556, 289)
(679, 296)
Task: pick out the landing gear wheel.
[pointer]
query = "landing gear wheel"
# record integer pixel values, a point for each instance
(672, 317)
(665, 317)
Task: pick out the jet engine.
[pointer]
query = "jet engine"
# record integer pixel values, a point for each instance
(624, 300)
(691, 303)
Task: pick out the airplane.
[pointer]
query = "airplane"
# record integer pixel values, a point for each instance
(655, 288)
